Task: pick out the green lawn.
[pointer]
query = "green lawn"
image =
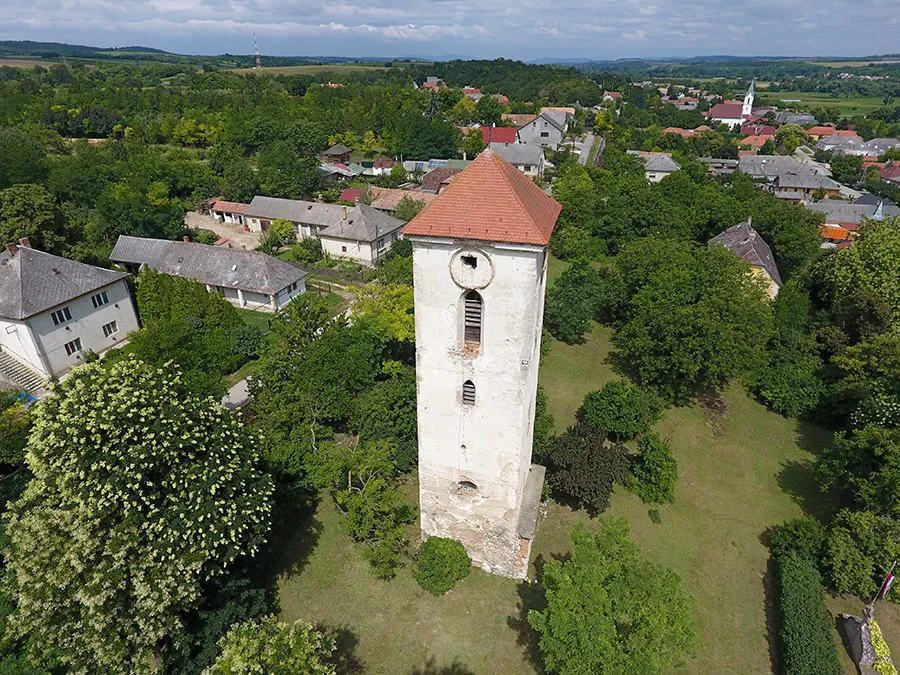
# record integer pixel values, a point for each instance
(258, 319)
(855, 105)
(742, 469)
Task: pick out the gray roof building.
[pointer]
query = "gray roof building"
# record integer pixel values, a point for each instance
(879, 146)
(362, 223)
(657, 161)
(837, 211)
(337, 151)
(211, 265)
(295, 210)
(805, 179)
(33, 281)
(786, 117)
(768, 166)
(746, 244)
(519, 153)
(835, 143)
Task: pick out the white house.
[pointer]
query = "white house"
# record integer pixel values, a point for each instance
(480, 268)
(229, 212)
(308, 217)
(245, 278)
(548, 129)
(54, 309)
(657, 165)
(361, 233)
(529, 159)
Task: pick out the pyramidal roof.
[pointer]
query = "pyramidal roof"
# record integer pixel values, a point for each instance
(490, 201)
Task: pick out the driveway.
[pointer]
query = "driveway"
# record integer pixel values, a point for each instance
(585, 146)
(235, 233)
(237, 397)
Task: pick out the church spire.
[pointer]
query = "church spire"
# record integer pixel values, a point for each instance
(747, 109)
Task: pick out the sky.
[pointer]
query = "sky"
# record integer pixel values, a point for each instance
(520, 29)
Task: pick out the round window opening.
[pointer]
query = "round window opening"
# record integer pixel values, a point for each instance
(466, 487)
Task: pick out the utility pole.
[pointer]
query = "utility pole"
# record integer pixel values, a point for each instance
(256, 52)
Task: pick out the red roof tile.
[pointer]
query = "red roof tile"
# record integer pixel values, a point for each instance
(755, 141)
(228, 207)
(350, 195)
(727, 111)
(490, 201)
(499, 134)
(890, 172)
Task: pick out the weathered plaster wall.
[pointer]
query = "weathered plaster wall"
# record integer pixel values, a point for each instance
(489, 443)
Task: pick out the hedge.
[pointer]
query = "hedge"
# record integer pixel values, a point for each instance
(807, 647)
(440, 563)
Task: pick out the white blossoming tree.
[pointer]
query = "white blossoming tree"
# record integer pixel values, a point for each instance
(141, 492)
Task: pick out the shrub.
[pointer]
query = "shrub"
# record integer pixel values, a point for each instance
(654, 471)
(807, 647)
(440, 563)
(622, 408)
(882, 665)
(308, 250)
(803, 536)
(583, 466)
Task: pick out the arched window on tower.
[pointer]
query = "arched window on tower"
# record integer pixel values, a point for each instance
(468, 394)
(473, 307)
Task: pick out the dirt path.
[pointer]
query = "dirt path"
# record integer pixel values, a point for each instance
(235, 233)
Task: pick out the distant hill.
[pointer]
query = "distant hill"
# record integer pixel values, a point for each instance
(55, 49)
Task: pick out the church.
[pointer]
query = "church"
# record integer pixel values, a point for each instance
(480, 272)
(738, 114)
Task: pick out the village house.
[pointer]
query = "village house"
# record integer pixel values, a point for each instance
(308, 217)
(801, 119)
(547, 129)
(518, 120)
(807, 182)
(433, 83)
(387, 199)
(361, 233)
(378, 167)
(245, 278)
(755, 141)
(823, 131)
(499, 135)
(744, 242)
(529, 159)
(437, 179)
(424, 166)
(657, 165)
(53, 309)
(336, 154)
(716, 166)
(229, 212)
(758, 129)
(890, 173)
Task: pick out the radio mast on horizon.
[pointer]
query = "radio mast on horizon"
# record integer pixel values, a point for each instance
(256, 52)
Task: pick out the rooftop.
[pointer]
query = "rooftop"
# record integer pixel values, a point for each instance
(519, 153)
(490, 201)
(746, 244)
(33, 281)
(499, 134)
(228, 207)
(295, 210)
(387, 199)
(212, 265)
(657, 161)
(363, 223)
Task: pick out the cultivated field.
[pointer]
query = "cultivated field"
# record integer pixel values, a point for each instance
(854, 105)
(742, 469)
(307, 70)
(25, 63)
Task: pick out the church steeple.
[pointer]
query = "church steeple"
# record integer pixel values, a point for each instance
(747, 109)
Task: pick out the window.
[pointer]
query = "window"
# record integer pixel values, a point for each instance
(473, 318)
(466, 486)
(381, 243)
(343, 249)
(468, 394)
(545, 134)
(527, 167)
(470, 261)
(61, 316)
(110, 329)
(101, 298)
(73, 347)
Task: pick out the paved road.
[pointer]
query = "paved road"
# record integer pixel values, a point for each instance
(237, 397)
(235, 233)
(585, 147)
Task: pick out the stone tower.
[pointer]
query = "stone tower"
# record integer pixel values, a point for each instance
(480, 269)
(747, 107)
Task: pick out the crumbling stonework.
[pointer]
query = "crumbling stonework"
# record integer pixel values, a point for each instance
(859, 639)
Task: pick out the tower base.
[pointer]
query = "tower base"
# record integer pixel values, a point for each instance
(499, 543)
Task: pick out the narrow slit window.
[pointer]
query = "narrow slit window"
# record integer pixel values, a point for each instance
(473, 318)
(468, 394)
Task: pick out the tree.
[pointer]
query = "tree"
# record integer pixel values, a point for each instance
(30, 211)
(274, 648)
(282, 173)
(584, 466)
(463, 113)
(791, 137)
(388, 412)
(369, 143)
(573, 301)
(15, 422)
(388, 310)
(610, 611)
(691, 317)
(622, 408)
(408, 208)
(847, 169)
(362, 481)
(134, 479)
(440, 563)
(472, 144)
(488, 111)
(654, 471)
(398, 175)
(282, 231)
(860, 546)
(24, 157)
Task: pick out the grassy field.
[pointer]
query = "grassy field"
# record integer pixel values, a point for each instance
(307, 70)
(854, 64)
(855, 105)
(742, 469)
(25, 63)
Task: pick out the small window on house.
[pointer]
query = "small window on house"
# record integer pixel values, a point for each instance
(468, 393)
(343, 249)
(466, 487)
(61, 316)
(73, 347)
(527, 167)
(110, 328)
(545, 134)
(381, 243)
(473, 311)
(100, 299)
(470, 261)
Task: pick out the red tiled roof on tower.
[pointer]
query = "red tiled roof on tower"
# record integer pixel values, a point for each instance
(490, 201)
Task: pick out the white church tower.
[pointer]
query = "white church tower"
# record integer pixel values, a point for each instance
(480, 269)
(747, 108)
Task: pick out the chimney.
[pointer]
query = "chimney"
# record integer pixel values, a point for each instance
(12, 249)
(24, 242)
(344, 217)
(186, 239)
